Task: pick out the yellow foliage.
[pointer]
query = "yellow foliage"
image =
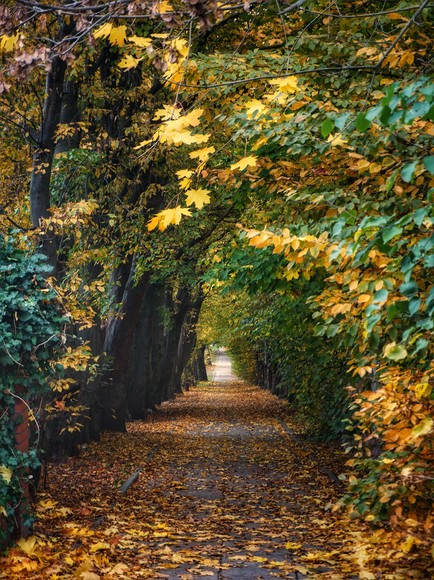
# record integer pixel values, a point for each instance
(286, 84)
(27, 545)
(140, 41)
(199, 197)
(6, 474)
(174, 128)
(245, 162)
(129, 62)
(167, 217)
(103, 31)
(8, 43)
(255, 108)
(202, 154)
(163, 7)
(336, 140)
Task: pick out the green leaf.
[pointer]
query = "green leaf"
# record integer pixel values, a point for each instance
(327, 128)
(420, 345)
(408, 170)
(414, 305)
(420, 215)
(390, 233)
(381, 295)
(429, 163)
(362, 123)
(394, 351)
(409, 289)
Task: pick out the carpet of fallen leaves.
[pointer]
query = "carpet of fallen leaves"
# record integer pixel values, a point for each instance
(227, 494)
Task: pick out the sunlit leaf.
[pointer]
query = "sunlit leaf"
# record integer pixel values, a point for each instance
(245, 162)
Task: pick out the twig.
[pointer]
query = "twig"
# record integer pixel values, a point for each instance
(293, 7)
(124, 488)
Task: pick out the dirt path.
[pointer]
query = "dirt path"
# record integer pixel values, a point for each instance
(226, 495)
(221, 370)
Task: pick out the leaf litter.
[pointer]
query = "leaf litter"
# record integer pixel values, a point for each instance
(222, 492)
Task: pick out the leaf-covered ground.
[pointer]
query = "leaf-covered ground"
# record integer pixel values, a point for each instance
(227, 494)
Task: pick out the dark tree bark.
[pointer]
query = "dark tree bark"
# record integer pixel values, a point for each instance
(180, 306)
(180, 341)
(43, 155)
(69, 114)
(118, 346)
(147, 358)
(201, 374)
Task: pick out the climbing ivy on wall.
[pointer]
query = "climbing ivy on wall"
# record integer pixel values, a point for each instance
(31, 322)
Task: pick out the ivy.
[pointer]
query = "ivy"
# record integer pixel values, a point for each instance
(31, 324)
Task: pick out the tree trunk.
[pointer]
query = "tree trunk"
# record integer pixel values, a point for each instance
(43, 155)
(201, 373)
(146, 361)
(69, 115)
(118, 346)
(169, 372)
(181, 340)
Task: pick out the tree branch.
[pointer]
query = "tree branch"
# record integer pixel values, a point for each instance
(293, 7)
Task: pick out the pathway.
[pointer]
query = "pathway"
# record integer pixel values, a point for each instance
(221, 370)
(226, 495)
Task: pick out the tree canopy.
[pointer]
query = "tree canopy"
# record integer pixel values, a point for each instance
(161, 154)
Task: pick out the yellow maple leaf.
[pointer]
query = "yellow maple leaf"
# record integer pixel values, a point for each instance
(293, 546)
(118, 35)
(166, 113)
(6, 473)
(173, 137)
(129, 62)
(8, 43)
(184, 176)
(202, 154)
(163, 7)
(47, 504)
(192, 119)
(63, 511)
(181, 46)
(153, 223)
(197, 196)
(255, 108)
(140, 41)
(176, 214)
(27, 545)
(336, 140)
(245, 162)
(103, 31)
(184, 173)
(166, 217)
(174, 131)
(99, 546)
(286, 84)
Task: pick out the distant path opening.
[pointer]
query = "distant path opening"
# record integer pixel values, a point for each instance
(221, 371)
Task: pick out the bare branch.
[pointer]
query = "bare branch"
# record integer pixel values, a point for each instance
(367, 14)
(293, 7)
